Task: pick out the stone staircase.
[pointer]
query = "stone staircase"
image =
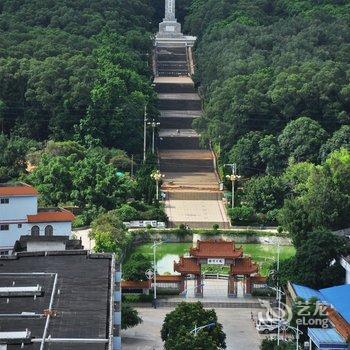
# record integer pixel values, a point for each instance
(191, 183)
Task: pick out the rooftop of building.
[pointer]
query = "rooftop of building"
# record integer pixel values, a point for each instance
(51, 215)
(187, 266)
(244, 266)
(21, 245)
(81, 298)
(17, 189)
(337, 297)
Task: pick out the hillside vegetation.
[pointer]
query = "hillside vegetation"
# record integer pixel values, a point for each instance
(75, 68)
(74, 80)
(275, 77)
(263, 64)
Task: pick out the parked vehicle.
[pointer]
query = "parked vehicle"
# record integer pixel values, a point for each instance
(267, 326)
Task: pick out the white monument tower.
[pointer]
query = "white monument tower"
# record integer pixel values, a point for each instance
(170, 28)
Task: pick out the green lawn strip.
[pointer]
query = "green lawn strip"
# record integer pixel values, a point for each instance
(163, 249)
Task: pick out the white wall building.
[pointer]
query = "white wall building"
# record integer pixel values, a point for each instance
(345, 262)
(20, 215)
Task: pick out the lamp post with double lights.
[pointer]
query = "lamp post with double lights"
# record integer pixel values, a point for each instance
(157, 176)
(153, 124)
(233, 178)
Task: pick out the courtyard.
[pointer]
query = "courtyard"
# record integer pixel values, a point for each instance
(237, 324)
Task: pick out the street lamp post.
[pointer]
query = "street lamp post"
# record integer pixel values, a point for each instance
(196, 329)
(297, 333)
(157, 176)
(153, 124)
(279, 292)
(154, 246)
(144, 133)
(233, 177)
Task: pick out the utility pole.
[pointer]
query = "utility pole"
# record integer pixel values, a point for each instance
(233, 177)
(153, 124)
(279, 292)
(144, 133)
(132, 166)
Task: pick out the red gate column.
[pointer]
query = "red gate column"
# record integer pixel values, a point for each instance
(248, 285)
(199, 286)
(182, 284)
(231, 287)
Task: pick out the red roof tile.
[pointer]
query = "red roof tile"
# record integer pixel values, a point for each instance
(168, 278)
(244, 266)
(136, 284)
(187, 266)
(258, 279)
(61, 215)
(339, 323)
(216, 249)
(20, 189)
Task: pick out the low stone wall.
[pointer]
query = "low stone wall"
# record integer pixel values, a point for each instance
(242, 238)
(238, 238)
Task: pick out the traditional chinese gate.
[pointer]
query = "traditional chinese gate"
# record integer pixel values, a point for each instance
(219, 252)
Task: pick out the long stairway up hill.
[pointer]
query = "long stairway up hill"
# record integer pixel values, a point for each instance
(191, 183)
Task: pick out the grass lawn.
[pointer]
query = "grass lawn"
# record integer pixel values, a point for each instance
(264, 254)
(163, 249)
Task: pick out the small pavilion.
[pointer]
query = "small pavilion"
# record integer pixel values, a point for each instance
(219, 252)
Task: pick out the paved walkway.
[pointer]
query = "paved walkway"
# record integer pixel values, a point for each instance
(180, 142)
(179, 96)
(83, 234)
(173, 80)
(194, 211)
(237, 325)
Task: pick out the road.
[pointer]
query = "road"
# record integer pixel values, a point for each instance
(239, 329)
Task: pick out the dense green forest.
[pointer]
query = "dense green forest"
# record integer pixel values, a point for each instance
(75, 77)
(275, 77)
(262, 64)
(72, 69)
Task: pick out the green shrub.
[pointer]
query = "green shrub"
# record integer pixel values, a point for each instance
(128, 213)
(167, 291)
(136, 298)
(136, 266)
(271, 216)
(139, 206)
(155, 214)
(242, 215)
(271, 344)
(78, 222)
(263, 292)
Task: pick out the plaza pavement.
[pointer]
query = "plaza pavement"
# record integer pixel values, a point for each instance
(237, 325)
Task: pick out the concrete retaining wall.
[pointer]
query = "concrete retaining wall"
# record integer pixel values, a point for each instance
(173, 238)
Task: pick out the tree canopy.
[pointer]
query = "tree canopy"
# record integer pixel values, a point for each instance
(178, 324)
(71, 69)
(316, 263)
(275, 69)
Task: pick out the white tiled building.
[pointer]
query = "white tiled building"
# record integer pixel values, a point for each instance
(20, 215)
(345, 262)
